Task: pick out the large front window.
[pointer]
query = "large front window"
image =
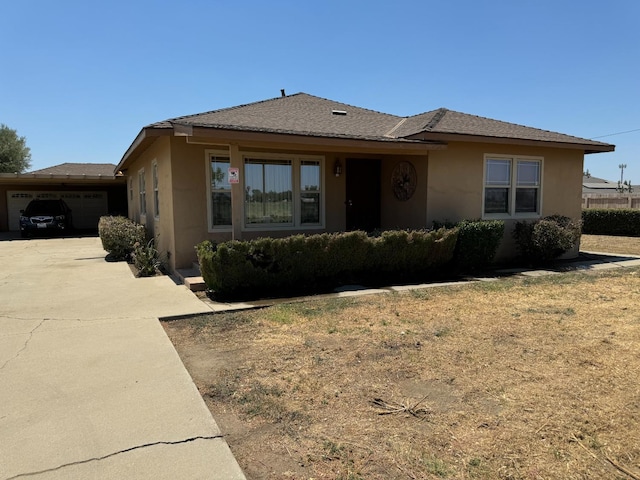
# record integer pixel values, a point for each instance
(512, 186)
(277, 191)
(269, 191)
(284, 191)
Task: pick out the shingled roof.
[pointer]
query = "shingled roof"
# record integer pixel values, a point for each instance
(299, 114)
(308, 115)
(88, 169)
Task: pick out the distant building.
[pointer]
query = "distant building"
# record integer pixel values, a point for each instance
(601, 193)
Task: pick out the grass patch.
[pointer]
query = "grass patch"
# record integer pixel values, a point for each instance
(517, 378)
(610, 244)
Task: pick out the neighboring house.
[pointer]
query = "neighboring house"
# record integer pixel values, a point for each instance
(601, 193)
(90, 189)
(303, 164)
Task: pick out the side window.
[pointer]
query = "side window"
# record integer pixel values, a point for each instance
(497, 186)
(142, 192)
(512, 186)
(220, 191)
(310, 192)
(156, 195)
(527, 186)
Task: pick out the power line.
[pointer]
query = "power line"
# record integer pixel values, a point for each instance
(619, 133)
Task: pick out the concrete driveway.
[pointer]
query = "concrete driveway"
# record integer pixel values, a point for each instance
(90, 386)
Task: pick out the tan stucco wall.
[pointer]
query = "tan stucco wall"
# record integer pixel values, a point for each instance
(411, 213)
(190, 177)
(189, 174)
(160, 228)
(189, 171)
(450, 186)
(456, 184)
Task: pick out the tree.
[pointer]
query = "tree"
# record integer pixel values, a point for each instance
(15, 156)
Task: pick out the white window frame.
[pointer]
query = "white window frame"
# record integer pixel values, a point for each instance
(210, 191)
(142, 193)
(156, 190)
(296, 162)
(513, 187)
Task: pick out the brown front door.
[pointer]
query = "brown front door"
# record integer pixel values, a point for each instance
(363, 194)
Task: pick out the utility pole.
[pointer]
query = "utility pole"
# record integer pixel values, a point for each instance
(622, 166)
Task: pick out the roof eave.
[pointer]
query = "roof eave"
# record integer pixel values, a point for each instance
(310, 141)
(48, 177)
(462, 137)
(146, 136)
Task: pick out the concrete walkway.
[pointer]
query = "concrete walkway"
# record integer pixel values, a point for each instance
(90, 385)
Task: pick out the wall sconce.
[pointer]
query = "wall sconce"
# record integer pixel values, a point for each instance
(337, 168)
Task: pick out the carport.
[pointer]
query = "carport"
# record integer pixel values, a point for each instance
(91, 190)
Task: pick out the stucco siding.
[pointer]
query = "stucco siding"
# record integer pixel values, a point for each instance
(449, 188)
(456, 184)
(411, 213)
(189, 176)
(159, 228)
(454, 189)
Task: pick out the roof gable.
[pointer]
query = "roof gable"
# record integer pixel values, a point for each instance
(446, 121)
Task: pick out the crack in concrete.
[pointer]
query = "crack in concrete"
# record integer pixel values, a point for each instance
(59, 320)
(26, 343)
(119, 452)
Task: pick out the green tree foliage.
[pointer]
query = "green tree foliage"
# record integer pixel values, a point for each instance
(15, 156)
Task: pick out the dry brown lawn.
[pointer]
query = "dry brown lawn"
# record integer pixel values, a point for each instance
(511, 379)
(609, 244)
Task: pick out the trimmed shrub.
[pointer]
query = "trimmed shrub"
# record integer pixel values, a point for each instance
(119, 236)
(478, 242)
(405, 254)
(303, 264)
(622, 222)
(546, 239)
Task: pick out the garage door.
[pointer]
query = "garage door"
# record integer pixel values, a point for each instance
(86, 207)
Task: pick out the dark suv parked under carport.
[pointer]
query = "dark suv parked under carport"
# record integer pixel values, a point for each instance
(45, 216)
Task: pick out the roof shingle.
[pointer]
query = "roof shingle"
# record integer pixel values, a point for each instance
(304, 114)
(89, 169)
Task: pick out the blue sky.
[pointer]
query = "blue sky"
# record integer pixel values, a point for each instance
(80, 79)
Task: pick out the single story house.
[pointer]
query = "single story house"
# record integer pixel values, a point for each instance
(303, 164)
(90, 189)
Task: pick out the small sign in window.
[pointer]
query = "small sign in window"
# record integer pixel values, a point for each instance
(234, 175)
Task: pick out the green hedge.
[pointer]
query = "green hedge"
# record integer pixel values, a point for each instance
(478, 242)
(543, 240)
(119, 236)
(305, 264)
(622, 222)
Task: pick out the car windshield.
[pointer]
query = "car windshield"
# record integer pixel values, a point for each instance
(43, 207)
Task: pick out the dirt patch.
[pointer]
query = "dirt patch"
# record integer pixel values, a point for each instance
(512, 379)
